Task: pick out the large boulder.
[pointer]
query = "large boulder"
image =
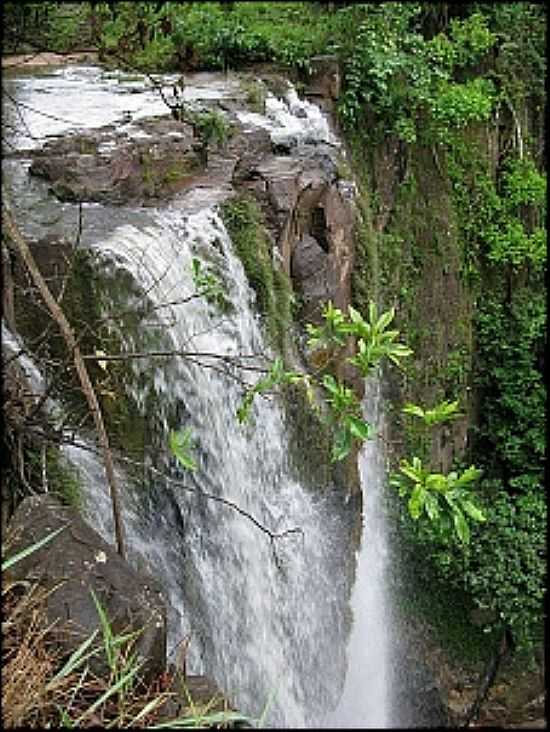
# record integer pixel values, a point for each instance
(77, 561)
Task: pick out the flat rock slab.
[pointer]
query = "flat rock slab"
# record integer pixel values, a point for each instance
(113, 166)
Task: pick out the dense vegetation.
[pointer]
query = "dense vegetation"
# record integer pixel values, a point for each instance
(464, 82)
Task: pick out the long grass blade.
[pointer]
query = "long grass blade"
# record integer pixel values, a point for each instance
(108, 694)
(78, 657)
(148, 708)
(10, 561)
(202, 720)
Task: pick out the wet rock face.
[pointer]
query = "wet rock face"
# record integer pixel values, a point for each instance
(76, 561)
(107, 166)
(311, 220)
(298, 186)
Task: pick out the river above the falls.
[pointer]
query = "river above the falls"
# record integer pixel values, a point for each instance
(297, 630)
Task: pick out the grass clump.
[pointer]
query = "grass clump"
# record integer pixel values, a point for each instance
(44, 686)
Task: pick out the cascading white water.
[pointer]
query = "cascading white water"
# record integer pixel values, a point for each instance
(259, 623)
(366, 699)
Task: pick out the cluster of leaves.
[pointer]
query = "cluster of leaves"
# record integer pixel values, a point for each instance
(214, 36)
(181, 446)
(211, 126)
(374, 342)
(517, 235)
(504, 237)
(512, 350)
(406, 82)
(208, 285)
(51, 26)
(276, 376)
(445, 499)
(505, 568)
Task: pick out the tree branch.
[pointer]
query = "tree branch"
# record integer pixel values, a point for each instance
(72, 345)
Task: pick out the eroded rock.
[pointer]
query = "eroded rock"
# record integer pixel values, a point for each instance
(77, 561)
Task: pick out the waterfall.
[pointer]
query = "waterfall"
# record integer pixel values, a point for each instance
(271, 623)
(366, 699)
(266, 620)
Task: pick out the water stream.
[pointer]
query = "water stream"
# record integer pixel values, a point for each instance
(298, 628)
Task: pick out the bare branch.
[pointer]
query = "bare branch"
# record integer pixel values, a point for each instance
(72, 345)
(272, 535)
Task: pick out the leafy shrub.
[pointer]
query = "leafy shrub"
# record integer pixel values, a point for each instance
(506, 568)
(460, 104)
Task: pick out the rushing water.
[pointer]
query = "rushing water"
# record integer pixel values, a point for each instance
(271, 622)
(366, 700)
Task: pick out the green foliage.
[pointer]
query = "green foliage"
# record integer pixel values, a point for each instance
(522, 184)
(345, 412)
(212, 126)
(331, 332)
(442, 412)
(256, 94)
(512, 228)
(208, 285)
(208, 37)
(374, 341)
(275, 377)
(446, 499)
(512, 342)
(181, 443)
(470, 39)
(51, 26)
(506, 568)
(459, 104)
(244, 222)
(391, 70)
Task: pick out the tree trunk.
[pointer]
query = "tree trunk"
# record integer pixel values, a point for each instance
(489, 676)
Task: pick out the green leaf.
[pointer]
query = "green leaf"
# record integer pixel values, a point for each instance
(470, 475)
(416, 501)
(436, 482)
(355, 315)
(243, 410)
(414, 472)
(329, 382)
(398, 351)
(473, 511)
(372, 312)
(342, 445)
(432, 506)
(359, 428)
(384, 320)
(180, 444)
(414, 410)
(461, 526)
